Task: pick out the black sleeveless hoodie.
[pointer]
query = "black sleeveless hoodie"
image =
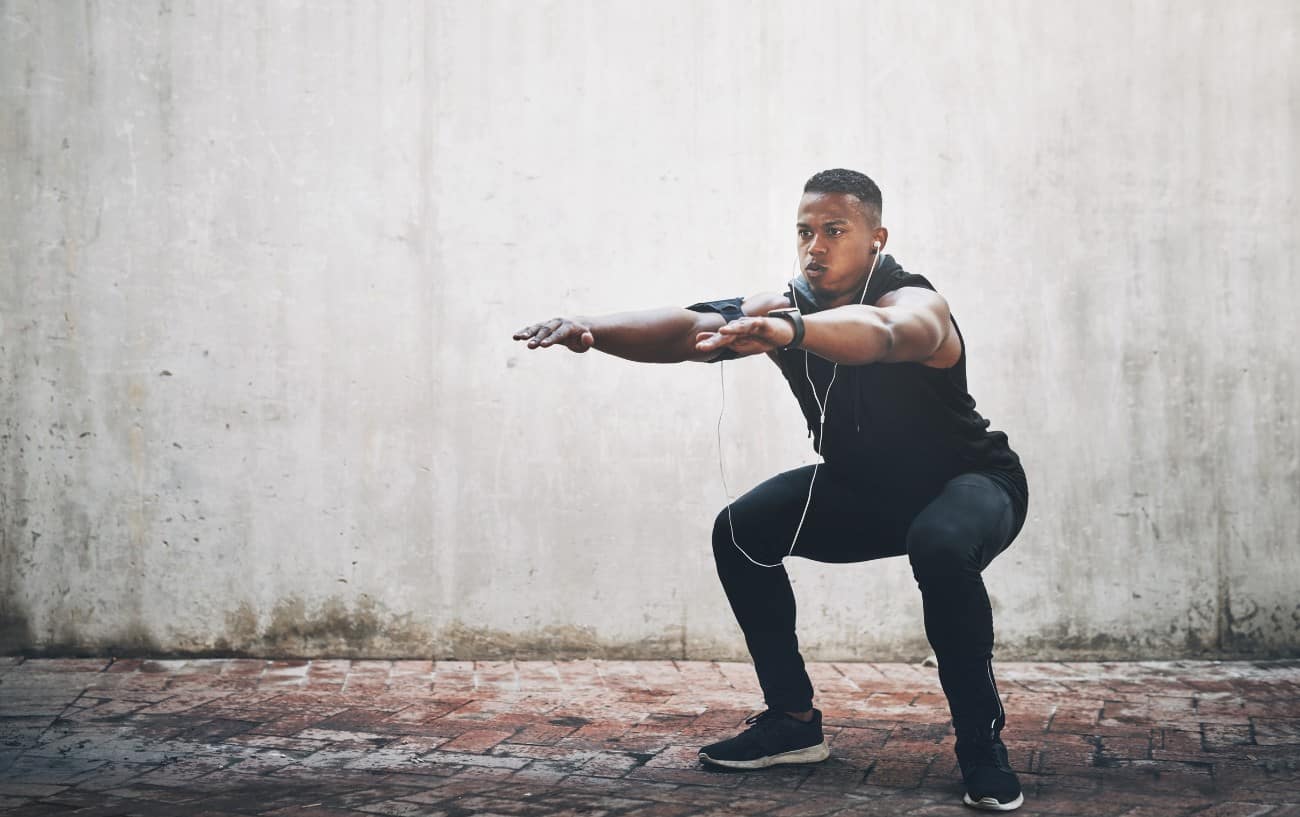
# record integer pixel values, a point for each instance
(905, 428)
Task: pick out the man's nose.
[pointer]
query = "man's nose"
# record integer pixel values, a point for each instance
(814, 248)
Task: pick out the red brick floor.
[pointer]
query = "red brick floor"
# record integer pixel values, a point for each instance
(594, 738)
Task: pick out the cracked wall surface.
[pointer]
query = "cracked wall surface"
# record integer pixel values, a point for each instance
(259, 268)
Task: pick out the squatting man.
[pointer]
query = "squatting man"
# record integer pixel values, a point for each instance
(908, 466)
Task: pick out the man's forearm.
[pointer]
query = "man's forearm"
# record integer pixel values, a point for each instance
(854, 335)
(665, 335)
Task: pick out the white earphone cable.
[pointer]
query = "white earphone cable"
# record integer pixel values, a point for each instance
(822, 403)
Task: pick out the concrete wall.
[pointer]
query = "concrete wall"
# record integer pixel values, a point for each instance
(260, 265)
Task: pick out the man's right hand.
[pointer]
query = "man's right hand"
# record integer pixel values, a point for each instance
(571, 332)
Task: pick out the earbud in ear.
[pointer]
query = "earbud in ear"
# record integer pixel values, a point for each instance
(875, 246)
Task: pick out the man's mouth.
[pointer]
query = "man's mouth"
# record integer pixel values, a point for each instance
(814, 268)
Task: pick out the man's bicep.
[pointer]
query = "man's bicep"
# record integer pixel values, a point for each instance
(919, 323)
(762, 303)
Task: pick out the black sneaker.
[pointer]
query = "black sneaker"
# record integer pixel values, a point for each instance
(990, 783)
(773, 737)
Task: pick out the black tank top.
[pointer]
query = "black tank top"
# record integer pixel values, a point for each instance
(902, 427)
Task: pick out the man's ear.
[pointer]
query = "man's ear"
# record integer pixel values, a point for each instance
(881, 235)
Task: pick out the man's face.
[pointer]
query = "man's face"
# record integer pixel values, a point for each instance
(836, 231)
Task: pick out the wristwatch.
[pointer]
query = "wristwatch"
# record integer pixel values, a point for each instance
(792, 315)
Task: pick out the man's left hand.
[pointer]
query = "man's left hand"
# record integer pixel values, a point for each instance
(748, 336)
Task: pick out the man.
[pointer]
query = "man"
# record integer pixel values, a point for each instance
(878, 366)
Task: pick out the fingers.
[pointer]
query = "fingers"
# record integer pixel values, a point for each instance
(746, 326)
(711, 341)
(557, 330)
(527, 332)
(708, 341)
(539, 332)
(747, 336)
(737, 330)
(553, 331)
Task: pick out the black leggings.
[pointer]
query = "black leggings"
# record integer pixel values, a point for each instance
(948, 541)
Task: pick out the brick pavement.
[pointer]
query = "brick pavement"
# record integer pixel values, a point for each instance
(595, 738)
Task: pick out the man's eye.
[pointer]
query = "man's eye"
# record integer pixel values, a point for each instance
(835, 231)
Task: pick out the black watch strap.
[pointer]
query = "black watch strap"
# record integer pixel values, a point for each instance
(796, 320)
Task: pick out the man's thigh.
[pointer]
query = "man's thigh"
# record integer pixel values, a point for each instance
(972, 517)
(845, 522)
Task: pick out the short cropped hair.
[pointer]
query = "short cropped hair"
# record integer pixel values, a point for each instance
(840, 180)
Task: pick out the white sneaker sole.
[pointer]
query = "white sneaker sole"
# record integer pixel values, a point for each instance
(812, 754)
(990, 804)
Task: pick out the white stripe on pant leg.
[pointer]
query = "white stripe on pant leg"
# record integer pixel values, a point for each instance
(996, 696)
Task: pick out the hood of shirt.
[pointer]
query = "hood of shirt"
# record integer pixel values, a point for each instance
(879, 283)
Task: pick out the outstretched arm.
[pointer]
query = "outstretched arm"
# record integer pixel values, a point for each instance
(908, 324)
(666, 335)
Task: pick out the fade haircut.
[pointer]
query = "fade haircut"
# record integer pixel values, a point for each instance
(840, 180)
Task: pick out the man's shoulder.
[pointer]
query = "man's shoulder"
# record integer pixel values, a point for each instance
(899, 278)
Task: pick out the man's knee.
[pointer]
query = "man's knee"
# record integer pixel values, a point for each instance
(732, 541)
(722, 533)
(720, 525)
(940, 549)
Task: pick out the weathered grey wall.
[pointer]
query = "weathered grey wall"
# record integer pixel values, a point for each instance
(260, 266)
